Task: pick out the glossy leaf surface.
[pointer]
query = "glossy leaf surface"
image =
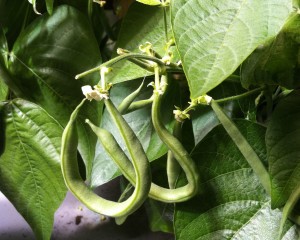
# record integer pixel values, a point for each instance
(44, 61)
(215, 37)
(30, 175)
(234, 205)
(276, 62)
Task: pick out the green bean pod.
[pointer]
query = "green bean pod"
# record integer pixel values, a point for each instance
(136, 105)
(122, 108)
(244, 147)
(78, 187)
(180, 154)
(156, 192)
(173, 167)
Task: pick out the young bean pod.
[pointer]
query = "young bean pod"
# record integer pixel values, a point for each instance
(78, 187)
(122, 108)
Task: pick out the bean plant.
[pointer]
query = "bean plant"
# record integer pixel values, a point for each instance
(193, 104)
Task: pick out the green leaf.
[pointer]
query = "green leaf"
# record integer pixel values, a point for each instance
(283, 141)
(160, 216)
(3, 60)
(104, 169)
(142, 24)
(44, 61)
(215, 37)
(3, 47)
(30, 175)
(3, 90)
(233, 205)
(277, 62)
(14, 15)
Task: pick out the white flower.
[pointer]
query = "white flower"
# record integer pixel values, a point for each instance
(91, 94)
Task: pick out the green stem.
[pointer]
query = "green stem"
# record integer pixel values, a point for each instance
(120, 58)
(142, 64)
(25, 18)
(236, 97)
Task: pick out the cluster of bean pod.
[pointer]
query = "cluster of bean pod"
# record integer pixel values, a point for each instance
(137, 170)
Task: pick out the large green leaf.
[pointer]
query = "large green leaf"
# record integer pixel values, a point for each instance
(142, 24)
(283, 141)
(277, 62)
(45, 59)
(30, 175)
(104, 169)
(233, 205)
(215, 37)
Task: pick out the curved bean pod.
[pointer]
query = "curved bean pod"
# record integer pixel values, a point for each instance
(173, 167)
(80, 190)
(113, 149)
(180, 154)
(187, 164)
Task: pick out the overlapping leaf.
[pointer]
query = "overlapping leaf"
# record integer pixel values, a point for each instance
(283, 141)
(233, 205)
(30, 175)
(215, 37)
(45, 59)
(277, 62)
(142, 24)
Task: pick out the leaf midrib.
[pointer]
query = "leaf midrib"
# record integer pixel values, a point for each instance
(39, 200)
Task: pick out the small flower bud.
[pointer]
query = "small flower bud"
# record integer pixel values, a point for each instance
(204, 100)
